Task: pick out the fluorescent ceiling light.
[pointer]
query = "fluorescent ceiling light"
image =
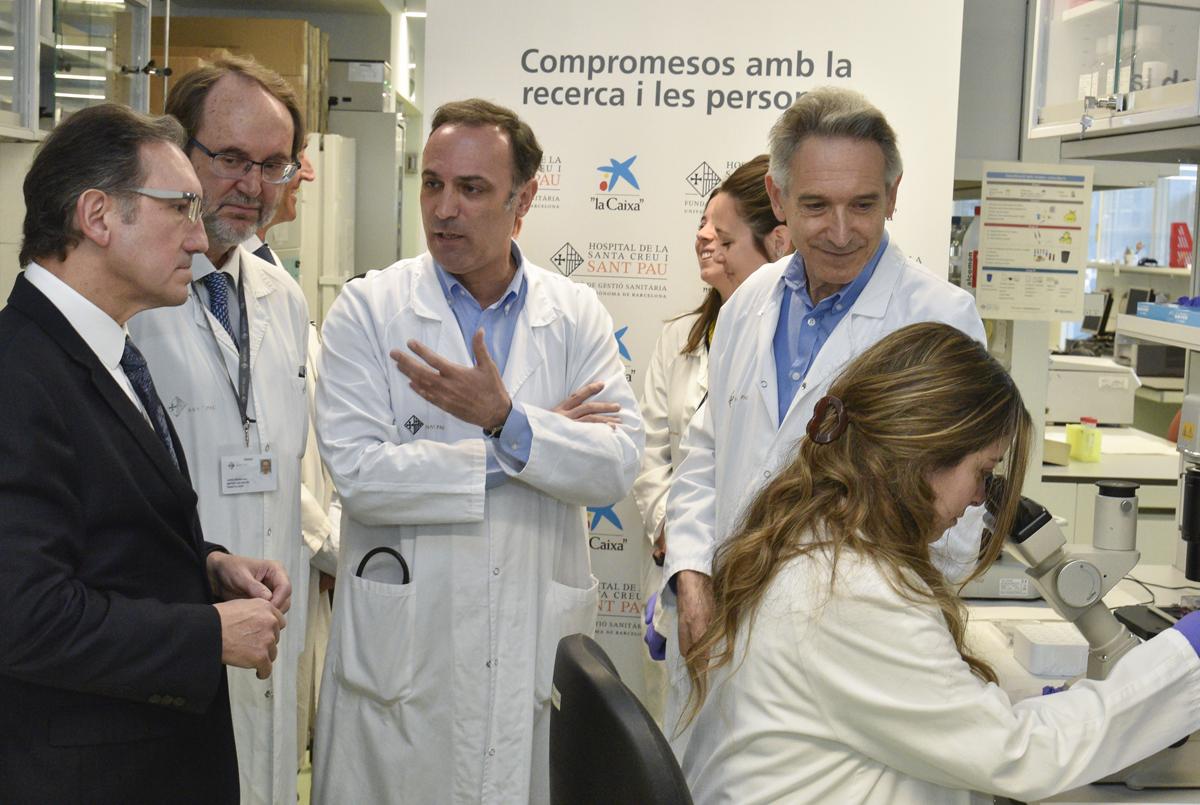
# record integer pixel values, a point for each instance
(89, 48)
(78, 77)
(415, 14)
(79, 95)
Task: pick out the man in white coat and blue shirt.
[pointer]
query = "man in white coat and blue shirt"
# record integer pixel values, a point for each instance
(230, 368)
(470, 405)
(784, 336)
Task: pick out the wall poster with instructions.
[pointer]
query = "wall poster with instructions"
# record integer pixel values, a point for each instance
(1033, 245)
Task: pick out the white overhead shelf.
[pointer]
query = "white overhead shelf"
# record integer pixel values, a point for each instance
(1156, 271)
(1159, 332)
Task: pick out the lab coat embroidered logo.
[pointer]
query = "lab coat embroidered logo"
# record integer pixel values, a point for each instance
(176, 407)
(566, 260)
(412, 425)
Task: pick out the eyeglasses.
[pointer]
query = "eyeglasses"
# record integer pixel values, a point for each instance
(232, 166)
(195, 203)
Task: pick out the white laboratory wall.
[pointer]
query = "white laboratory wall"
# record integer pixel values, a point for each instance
(15, 159)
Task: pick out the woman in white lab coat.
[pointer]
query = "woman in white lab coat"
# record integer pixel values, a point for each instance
(835, 668)
(738, 233)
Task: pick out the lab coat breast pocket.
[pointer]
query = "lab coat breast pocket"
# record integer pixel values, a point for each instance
(378, 640)
(565, 611)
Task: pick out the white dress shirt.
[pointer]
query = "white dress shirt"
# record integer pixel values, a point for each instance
(98, 330)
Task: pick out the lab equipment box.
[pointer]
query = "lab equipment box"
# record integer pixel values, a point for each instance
(1096, 387)
(361, 86)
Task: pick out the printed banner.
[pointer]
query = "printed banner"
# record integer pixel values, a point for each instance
(642, 110)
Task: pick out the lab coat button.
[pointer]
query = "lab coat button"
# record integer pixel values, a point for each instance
(803, 386)
(762, 384)
(268, 693)
(495, 571)
(766, 473)
(491, 752)
(268, 532)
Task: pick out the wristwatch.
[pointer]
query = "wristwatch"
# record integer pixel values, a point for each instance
(494, 433)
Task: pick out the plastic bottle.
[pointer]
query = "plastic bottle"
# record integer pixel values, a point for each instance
(1084, 440)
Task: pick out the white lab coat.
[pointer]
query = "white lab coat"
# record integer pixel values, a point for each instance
(437, 691)
(735, 442)
(674, 386)
(320, 520)
(192, 374)
(862, 697)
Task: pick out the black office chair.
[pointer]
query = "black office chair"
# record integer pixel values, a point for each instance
(604, 746)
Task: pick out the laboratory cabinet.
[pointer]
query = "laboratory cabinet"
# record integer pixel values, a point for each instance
(1106, 66)
(317, 248)
(59, 56)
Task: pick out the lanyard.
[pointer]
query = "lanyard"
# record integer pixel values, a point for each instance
(241, 392)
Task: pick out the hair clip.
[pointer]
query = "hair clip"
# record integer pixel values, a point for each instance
(815, 430)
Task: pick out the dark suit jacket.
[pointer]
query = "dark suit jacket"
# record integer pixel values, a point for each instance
(111, 683)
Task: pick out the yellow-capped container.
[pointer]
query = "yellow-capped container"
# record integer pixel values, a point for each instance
(1084, 440)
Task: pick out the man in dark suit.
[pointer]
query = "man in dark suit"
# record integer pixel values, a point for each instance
(116, 618)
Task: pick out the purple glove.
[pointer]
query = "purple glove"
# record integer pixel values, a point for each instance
(1189, 624)
(1048, 690)
(656, 643)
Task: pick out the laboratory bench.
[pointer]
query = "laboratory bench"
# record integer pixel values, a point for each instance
(1128, 454)
(989, 633)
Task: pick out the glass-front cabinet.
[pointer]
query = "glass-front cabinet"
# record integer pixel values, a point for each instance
(9, 110)
(1103, 66)
(100, 53)
(59, 56)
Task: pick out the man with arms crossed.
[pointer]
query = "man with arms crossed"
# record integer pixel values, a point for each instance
(470, 405)
(782, 338)
(230, 366)
(112, 685)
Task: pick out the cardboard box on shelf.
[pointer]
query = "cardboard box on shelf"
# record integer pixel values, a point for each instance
(292, 48)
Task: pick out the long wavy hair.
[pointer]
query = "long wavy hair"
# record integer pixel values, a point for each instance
(920, 400)
(748, 188)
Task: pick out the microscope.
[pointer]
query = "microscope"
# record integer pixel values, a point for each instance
(1073, 579)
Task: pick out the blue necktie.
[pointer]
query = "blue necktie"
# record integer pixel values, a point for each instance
(218, 299)
(135, 368)
(264, 252)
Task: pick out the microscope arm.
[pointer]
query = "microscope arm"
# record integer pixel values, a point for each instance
(1074, 580)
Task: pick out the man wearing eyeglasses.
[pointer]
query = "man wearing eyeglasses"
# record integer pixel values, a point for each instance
(116, 617)
(230, 367)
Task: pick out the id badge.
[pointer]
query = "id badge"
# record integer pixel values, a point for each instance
(243, 472)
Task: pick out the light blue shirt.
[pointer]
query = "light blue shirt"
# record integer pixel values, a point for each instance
(499, 322)
(804, 328)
